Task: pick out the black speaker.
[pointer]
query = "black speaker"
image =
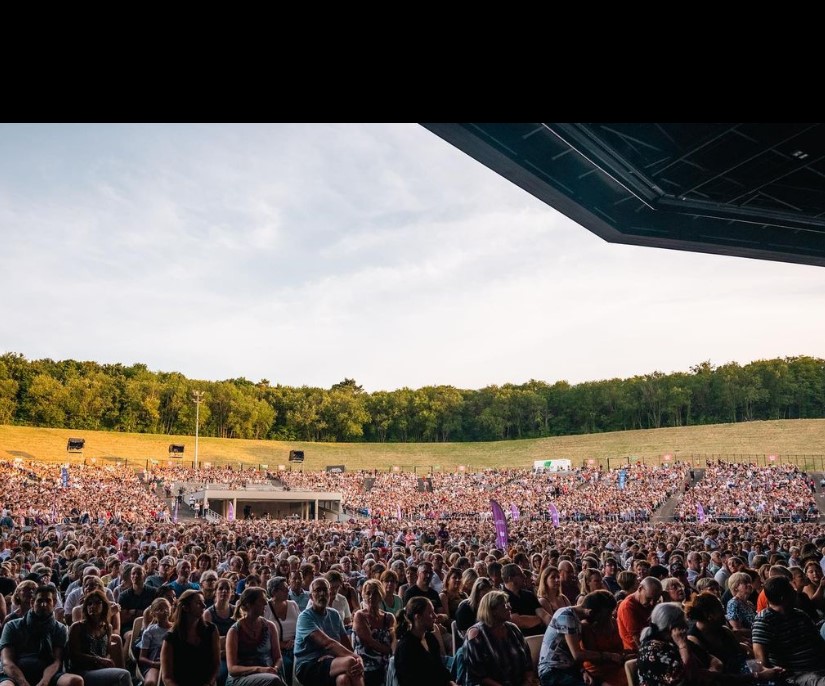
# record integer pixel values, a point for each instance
(75, 445)
(296, 455)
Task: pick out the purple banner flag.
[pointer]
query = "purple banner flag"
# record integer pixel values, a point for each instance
(500, 524)
(554, 514)
(700, 513)
(175, 513)
(398, 512)
(514, 512)
(230, 513)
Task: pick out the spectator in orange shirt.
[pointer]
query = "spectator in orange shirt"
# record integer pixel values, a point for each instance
(634, 611)
(776, 570)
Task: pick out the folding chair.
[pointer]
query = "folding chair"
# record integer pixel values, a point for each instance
(458, 637)
(534, 644)
(632, 672)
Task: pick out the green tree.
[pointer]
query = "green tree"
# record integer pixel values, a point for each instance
(8, 394)
(305, 413)
(344, 413)
(46, 401)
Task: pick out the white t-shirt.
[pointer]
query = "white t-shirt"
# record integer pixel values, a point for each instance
(286, 626)
(341, 604)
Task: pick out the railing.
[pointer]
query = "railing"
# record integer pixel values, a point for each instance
(189, 486)
(211, 516)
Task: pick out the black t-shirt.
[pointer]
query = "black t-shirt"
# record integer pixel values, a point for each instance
(525, 603)
(192, 664)
(413, 592)
(129, 600)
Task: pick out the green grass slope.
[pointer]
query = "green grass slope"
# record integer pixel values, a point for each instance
(800, 441)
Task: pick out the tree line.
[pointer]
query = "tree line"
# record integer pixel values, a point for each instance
(116, 397)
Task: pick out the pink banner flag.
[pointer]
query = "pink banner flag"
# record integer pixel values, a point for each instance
(514, 512)
(500, 524)
(700, 513)
(398, 512)
(554, 514)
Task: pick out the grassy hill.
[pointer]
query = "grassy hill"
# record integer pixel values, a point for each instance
(801, 441)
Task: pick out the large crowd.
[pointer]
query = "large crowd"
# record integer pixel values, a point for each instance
(99, 586)
(583, 494)
(743, 491)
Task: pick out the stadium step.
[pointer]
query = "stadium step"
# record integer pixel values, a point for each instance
(819, 496)
(666, 511)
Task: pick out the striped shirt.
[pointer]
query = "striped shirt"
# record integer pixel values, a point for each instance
(790, 639)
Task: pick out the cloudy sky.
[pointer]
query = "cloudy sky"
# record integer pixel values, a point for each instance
(304, 254)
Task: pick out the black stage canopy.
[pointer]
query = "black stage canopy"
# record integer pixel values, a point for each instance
(747, 190)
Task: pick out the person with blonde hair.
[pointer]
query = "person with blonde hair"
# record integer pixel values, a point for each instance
(673, 590)
(495, 647)
(549, 590)
(740, 612)
(392, 601)
(466, 614)
(591, 580)
(22, 599)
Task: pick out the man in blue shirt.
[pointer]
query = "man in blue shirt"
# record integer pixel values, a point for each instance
(181, 582)
(296, 590)
(323, 652)
(32, 647)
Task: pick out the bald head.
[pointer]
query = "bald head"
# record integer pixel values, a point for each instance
(650, 590)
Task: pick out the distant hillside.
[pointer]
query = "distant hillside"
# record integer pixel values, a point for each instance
(801, 437)
(133, 399)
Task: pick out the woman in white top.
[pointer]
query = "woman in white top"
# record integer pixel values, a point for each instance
(284, 613)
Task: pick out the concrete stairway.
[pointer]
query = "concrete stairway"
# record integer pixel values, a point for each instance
(819, 496)
(666, 511)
